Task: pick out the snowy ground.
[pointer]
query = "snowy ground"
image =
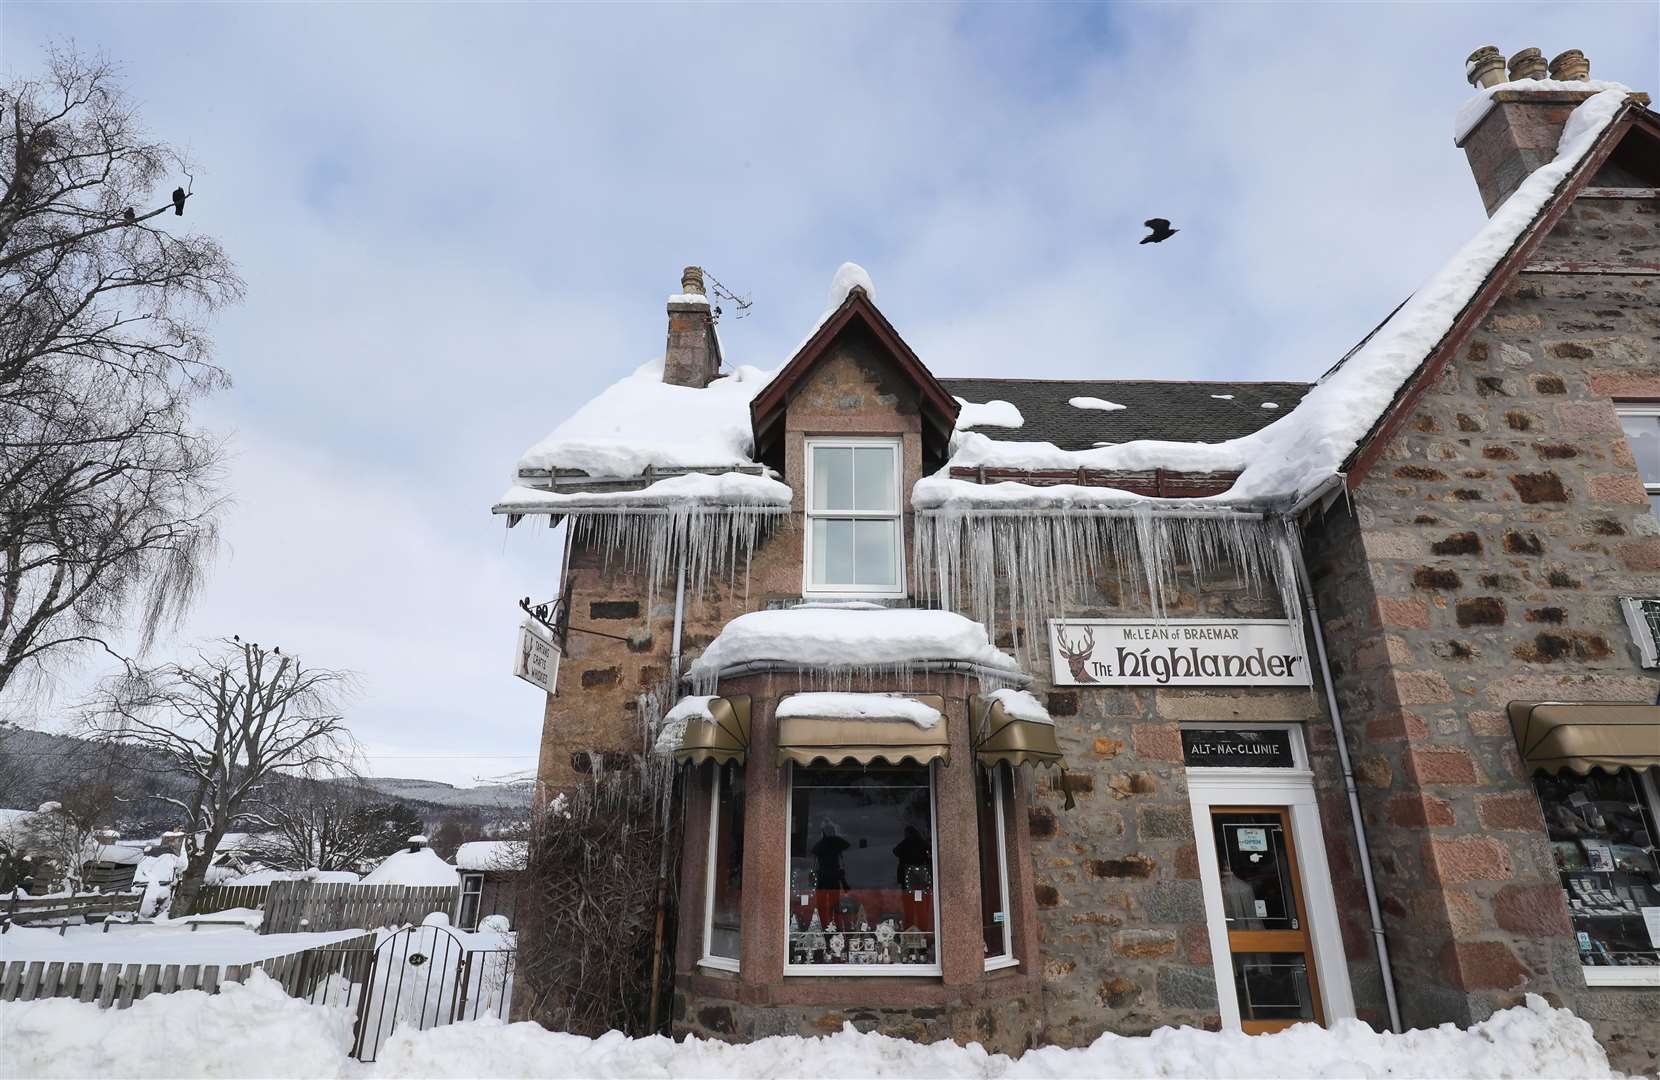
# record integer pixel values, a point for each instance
(256, 1030)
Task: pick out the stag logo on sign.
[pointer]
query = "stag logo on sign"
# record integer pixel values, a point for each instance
(1177, 652)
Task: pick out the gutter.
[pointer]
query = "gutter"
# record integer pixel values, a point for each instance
(957, 667)
(1381, 942)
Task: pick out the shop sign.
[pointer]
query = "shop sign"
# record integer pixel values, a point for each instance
(1176, 652)
(536, 660)
(1238, 748)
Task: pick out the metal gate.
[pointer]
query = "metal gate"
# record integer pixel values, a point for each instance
(427, 976)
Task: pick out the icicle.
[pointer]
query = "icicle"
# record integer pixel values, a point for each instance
(712, 540)
(1022, 570)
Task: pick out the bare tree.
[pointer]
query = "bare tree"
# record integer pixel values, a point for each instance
(230, 722)
(107, 491)
(315, 825)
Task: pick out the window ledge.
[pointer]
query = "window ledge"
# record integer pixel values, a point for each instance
(1622, 976)
(998, 963)
(718, 963)
(865, 970)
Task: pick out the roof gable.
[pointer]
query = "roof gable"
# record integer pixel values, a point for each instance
(936, 405)
(1633, 117)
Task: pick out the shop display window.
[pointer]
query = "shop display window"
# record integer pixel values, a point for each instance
(1603, 837)
(990, 785)
(861, 872)
(726, 868)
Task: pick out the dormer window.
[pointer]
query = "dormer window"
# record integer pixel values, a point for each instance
(853, 533)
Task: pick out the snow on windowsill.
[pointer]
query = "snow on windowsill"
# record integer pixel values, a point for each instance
(692, 489)
(849, 706)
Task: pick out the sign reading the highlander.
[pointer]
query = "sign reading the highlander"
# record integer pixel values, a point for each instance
(1176, 652)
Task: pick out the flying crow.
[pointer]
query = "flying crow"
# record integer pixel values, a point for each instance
(129, 217)
(1161, 231)
(179, 197)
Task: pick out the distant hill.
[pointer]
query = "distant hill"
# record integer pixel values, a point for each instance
(513, 798)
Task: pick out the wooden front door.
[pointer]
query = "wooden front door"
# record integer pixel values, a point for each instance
(1262, 898)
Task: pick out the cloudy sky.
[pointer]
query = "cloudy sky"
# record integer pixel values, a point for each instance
(458, 223)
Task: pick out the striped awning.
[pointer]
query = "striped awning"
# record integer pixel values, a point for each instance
(1586, 735)
(838, 740)
(1011, 739)
(721, 736)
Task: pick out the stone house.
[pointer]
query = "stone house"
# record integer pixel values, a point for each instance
(1021, 710)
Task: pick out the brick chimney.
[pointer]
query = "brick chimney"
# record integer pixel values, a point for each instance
(1520, 130)
(692, 357)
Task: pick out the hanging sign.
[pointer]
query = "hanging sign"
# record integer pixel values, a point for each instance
(1176, 652)
(536, 660)
(1236, 748)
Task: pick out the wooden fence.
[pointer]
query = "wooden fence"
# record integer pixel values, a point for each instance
(302, 974)
(216, 898)
(30, 910)
(295, 906)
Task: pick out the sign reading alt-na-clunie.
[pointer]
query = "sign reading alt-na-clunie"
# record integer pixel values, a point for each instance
(1177, 652)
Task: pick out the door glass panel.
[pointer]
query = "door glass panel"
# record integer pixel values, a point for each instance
(873, 478)
(1256, 872)
(832, 478)
(1273, 986)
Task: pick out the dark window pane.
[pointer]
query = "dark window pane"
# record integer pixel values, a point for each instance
(861, 867)
(994, 919)
(1257, 892)
(1273, 986)
(1603, 838)
(726, 871)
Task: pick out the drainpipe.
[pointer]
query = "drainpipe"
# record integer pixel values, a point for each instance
(1378, 938)
(668, 797)
(679, 619)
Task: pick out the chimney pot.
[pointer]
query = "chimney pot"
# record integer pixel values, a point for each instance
(1570, 66)
(1528, 64)
(691, 280)
(1485, 67)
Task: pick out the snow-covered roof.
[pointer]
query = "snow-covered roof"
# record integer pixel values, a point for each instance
(899, 708)
(419, 867)
(492, 855)
(996, 413)
(850, 636)
(265, 876)
(692, 489)
(118, 853)
(641, 421)
(1481, 102)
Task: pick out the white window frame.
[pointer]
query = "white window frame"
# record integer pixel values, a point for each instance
(896, 515)
(1635, 408)
(1293, 789)
(710, 960)
(1007, 957)
(875, 971)
(1626, 976)
(477, 895)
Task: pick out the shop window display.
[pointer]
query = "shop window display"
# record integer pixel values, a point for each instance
(861, 868)
(1602, 833)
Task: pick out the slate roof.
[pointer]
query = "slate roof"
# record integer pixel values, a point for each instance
(1171, 411)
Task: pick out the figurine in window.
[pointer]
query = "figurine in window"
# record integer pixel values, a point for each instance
(832, 874)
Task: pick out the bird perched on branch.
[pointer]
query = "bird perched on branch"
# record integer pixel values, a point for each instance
(180, 195)
(1161, 231)
(129, 216)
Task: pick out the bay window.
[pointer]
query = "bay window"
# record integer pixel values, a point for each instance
(853, 529)
(995, 927)
(723, 896)
(861, 872)
(1602, 834)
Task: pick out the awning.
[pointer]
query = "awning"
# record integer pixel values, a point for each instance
(722, 735)
(835, 740)
(1012, 739)
(1585, 735)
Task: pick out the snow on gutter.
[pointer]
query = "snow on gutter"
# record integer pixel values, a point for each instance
(738, 491)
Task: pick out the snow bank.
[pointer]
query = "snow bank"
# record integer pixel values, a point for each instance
(419, 867)
(997, 413)
(1481, 102)
(693, 489)
(1100, 404)
(492, 855)
(849, 636)
(641, 420)
(1021, 705)
(172, 942)
(895, 707)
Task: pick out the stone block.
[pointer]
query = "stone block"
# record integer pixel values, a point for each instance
(1543, 487)
(1402, 614)
(1174, 902)
(1144, 944)
(1439, 765)
(1164, 823)
(1462, 859)
(1618, 488)
(1421, 811)
(1157, 742)
(1134, 865)
(1480, 611)
(1482, 965)
(1417, 688)
(1107, 748)
(1512, 810)
(1535, 910)
(1182, 986)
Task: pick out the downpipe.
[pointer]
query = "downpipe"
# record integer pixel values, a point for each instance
(668, 802)
(1379, 940)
